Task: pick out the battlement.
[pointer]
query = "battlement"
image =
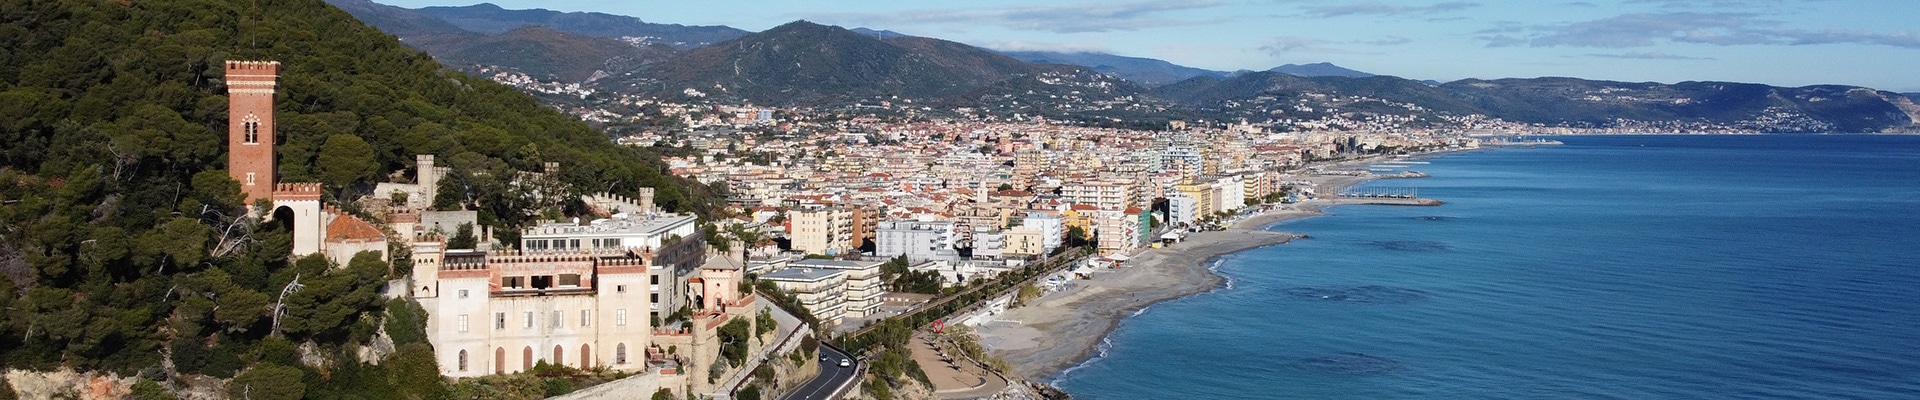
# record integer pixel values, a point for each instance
(254, 67)
(502, 259)
(403, 216)
(296, 191)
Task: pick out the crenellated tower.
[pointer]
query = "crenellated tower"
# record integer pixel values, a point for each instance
(250, 158)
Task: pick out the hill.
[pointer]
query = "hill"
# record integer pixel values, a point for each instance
(1140, 70)
(1319, 69)
(1589, 103)
(802, 63)
(554, 55)
(491, 19)
(1266, 94)
(123, 250)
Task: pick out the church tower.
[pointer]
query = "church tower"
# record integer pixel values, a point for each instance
(250, 158)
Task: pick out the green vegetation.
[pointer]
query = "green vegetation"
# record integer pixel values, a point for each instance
(733, 341)
(121, 237)
(901, 279)
(662, 394)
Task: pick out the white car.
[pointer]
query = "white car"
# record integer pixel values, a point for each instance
(845, 363)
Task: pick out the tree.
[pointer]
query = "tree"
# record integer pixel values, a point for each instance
(463, 238)
(345, 159)
(1006, 186)
(268, 381)
(663, 394)
(1076, 236)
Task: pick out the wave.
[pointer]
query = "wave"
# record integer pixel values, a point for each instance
(1099, 352)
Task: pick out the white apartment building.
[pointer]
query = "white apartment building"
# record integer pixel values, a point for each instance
(918, 240)
(864, 285)
(822, 291)
(1103, 193)
(1052, 228)
(1181, 208)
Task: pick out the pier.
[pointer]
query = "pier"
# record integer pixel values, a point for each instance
(1385, 196)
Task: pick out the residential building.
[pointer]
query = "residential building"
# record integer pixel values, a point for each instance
(864, 285)
(817, 229)
(821, 291)
(918, 240)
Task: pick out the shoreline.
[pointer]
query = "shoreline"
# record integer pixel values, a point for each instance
(1065, 329)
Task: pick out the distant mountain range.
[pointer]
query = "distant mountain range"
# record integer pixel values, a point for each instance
(803, 63)
(807, 63)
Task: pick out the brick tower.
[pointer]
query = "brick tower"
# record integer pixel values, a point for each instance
(250, 158)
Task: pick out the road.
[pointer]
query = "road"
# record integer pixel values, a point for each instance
(832, 377)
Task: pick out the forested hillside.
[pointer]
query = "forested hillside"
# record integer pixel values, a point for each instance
(123, 243)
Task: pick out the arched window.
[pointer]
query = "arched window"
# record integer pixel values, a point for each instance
(250, 129)
(526, 359)
(586, 357)
(620, 354)
(463, 360)
(556, 355)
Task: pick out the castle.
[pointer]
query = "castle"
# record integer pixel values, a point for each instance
(317, 229)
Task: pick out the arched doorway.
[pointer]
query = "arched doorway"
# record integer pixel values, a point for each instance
(586, 357)
(620, 354)
(499, 360)
(557, 361)
(463, 361)
(526, 357)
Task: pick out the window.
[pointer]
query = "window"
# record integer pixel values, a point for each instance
(570, 280)
(463, 293)
(463, 322)
(249, 178)
(656, 279)
(555, 321)
(463, 360)
(529, 319)
(573, 244)
(620, 354)
(620, 319)
(250, 130)
(499, 321)
(653, 297)
(586, 317)
(620, 288)
(513, 282)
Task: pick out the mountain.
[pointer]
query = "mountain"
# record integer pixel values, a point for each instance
(491, 19)
(1589, 103)
(544, 52)
(807, 63)
(416, 29)
(879, 34)
(1268, 94)
(1140, 70)
(1319, 69)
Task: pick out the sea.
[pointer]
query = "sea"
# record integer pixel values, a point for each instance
(1611, 267)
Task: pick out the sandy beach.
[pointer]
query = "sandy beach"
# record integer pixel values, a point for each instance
(1064, 328)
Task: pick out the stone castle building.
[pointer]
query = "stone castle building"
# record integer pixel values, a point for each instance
(317, 229)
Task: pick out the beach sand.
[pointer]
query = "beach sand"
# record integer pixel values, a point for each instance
(1064, 328)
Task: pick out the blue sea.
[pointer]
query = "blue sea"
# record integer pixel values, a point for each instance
(1613, 267)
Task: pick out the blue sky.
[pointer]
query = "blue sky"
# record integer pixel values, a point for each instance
(1874, 43)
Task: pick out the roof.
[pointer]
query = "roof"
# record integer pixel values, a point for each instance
(800, 274)
(348, 227)
(834, 264)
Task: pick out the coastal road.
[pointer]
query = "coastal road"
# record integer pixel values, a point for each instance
(832, 377)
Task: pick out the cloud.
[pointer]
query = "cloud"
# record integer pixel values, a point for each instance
(1062, 18)
(1386, 41)
(1385, 9)
(1283, 45)
(1648, 55)
(1651, 29)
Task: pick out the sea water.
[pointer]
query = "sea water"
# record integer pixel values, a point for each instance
(1621, 267)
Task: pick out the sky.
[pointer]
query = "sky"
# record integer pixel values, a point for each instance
(1873, 43)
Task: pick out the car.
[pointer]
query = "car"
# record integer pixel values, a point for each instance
(824, 358)
(845, 363)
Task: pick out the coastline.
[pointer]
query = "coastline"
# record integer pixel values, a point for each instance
(1061, 330)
